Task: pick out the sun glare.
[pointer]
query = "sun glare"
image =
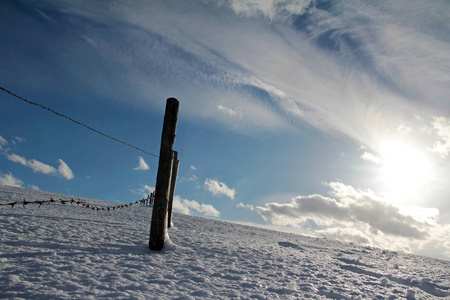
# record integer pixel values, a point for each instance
(405, 170)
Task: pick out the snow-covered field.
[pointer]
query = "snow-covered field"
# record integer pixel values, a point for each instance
(65, 251)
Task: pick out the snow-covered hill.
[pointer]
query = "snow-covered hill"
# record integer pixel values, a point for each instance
(65, 251)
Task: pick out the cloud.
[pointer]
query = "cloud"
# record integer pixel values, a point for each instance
(370, 157)
(3, 142)
(189, 179)
(229, 111)
(193, 167)
(18, 139)
(142, 164)
(144, 191)
(403, 129)
(350, 66)
(359, 216)
(217, 188)
(247, 206)
(34, 187)
(40, 167)
(269, 9)
(185, 206)
(10, 180)
(64, 170)
(17, 159)
(441, 126)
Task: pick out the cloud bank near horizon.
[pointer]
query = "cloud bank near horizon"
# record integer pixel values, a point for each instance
(361, 216)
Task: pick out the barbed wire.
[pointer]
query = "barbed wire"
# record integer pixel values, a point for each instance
(144, 201)
(79, 123)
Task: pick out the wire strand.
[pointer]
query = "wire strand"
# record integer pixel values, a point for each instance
(79, 123)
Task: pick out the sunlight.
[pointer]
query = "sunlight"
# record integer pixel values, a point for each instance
(405, 170)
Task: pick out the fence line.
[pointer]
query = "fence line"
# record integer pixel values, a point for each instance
(79, 123)
(144, 201)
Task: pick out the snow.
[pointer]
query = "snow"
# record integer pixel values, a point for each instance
(62, 251)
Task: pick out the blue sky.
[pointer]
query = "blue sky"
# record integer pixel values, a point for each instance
(328, 118)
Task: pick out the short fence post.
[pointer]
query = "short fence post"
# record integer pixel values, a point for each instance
(176, 164)
(158, 228)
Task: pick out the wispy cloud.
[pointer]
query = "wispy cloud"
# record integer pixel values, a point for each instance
(189, 179)
(217, 188)
(3, 142)
(10, 180)
(142, 165)
(441, 126)
(229, 111)
(350, 66)
(185, 206)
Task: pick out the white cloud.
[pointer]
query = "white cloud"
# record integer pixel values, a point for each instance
(229, 111)
(247, 206)
(17, 158)
(359, 216)
(218, 188)
(193, 167)
(370, 157)
(144, 191)
(189, 179)
(142, 164)
(10, 180)
(38, 166)
(34, 187)
(403, 129)
(18, 139)
(441, 126)
(269, 9)
(185, 206)
(41, 167)
(64, 170)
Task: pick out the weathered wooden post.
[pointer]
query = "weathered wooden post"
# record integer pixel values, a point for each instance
(176, 164)
(158, 228)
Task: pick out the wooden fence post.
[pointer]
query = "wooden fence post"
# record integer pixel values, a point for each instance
(176, 164)
(158, 228)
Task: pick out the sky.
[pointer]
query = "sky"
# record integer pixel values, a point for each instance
(325, 118)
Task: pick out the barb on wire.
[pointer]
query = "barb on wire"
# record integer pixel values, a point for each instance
(79, 123)
(78, 202)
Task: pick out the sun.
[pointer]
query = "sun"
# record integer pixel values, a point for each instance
(405, 170)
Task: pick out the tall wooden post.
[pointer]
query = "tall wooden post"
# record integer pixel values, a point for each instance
(158, 228)
(173, 182)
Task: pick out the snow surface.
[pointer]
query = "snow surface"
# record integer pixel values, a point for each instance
(65, 251)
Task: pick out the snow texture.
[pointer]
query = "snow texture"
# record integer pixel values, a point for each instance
(68, 252)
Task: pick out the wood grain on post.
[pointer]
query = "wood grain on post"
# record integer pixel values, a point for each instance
(158, 228)
(173, 182)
